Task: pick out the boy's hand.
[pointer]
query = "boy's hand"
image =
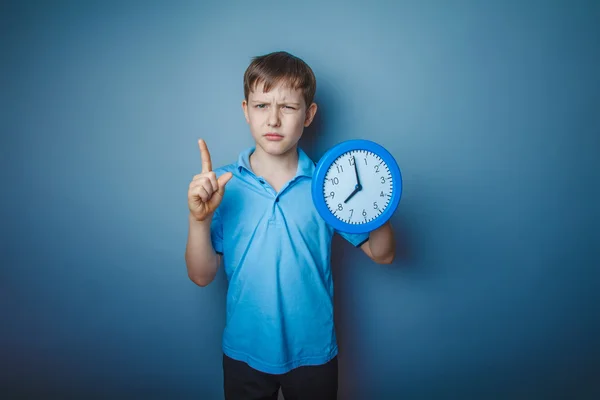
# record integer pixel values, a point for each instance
(206, 191)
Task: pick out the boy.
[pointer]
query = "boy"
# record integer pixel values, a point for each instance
(257, 216)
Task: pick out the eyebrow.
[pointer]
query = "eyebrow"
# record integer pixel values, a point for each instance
(265, 101)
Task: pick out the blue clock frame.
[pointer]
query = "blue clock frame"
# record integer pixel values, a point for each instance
(319, 179)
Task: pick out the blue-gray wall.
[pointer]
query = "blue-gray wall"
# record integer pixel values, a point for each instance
(491, 108)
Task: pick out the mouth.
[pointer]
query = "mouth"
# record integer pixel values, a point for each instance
(273, 136)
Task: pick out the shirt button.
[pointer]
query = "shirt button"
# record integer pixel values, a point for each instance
(262, 182)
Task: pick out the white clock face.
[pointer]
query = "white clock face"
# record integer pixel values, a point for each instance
(358, 200)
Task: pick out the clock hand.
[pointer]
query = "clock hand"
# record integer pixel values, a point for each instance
(357, 189)
(356, 172)
(351, 195)
(358, 186)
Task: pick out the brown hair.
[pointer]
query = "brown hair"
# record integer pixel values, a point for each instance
(280, 66)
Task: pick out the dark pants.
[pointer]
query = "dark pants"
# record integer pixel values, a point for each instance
(242, 382)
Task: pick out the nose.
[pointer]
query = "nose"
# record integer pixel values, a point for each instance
(273, 119)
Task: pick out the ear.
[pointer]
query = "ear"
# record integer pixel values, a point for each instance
(310, 114)
(245, 108)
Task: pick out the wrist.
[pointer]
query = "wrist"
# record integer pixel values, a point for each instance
(196, 222)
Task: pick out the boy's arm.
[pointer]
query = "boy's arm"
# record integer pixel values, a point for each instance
(381, 246)
(205, 193)
(200, 257)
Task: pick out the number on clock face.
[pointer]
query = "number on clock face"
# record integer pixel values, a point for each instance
(358, 187)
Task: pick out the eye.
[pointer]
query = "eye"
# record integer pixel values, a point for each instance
(289, 107)
(260, 105)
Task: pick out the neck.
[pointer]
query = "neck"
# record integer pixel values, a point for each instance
(263, 163)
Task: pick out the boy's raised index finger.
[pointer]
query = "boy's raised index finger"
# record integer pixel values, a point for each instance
(205, 155)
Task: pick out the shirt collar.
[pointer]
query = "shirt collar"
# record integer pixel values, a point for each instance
(306, 166)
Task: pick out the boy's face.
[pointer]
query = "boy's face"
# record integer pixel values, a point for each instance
(277, 118)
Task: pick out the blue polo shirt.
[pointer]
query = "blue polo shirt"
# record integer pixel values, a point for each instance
(276, 253)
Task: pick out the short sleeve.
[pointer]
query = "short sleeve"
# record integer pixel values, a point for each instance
(356, 239)
(216, 232)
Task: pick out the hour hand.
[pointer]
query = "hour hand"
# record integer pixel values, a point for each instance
(356, 190)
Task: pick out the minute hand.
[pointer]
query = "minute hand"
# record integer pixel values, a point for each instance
(356, 172)
(358, 186)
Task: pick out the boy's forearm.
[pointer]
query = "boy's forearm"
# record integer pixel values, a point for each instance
(382, 244)
(200, 257)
